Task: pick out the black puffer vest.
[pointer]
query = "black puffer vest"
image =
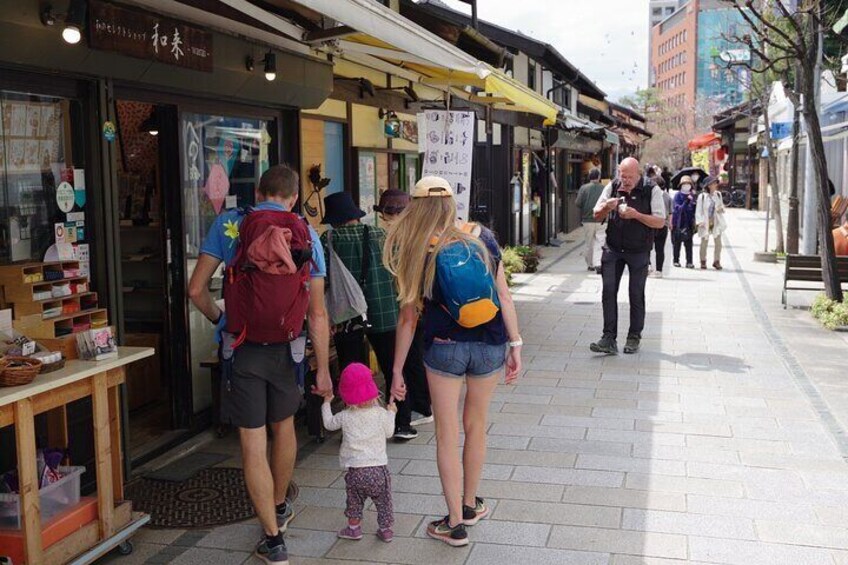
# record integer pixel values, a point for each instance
(631, 236)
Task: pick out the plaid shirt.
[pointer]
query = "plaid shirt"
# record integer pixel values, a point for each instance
(379, 288)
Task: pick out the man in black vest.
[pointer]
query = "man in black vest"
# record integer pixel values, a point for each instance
(634, 209)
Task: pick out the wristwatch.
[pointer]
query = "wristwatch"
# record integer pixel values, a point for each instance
(517, 343)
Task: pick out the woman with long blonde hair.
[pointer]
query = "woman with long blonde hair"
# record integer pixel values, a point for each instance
(475, 354)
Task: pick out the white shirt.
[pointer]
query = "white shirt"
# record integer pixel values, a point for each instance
(364, 433)
(657, 201)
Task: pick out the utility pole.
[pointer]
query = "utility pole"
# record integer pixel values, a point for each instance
(792, 222)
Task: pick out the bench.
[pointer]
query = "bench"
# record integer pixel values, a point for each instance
(808, 269)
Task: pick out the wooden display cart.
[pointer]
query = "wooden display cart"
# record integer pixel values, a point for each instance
(50, 393)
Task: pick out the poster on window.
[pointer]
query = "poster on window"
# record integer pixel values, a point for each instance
(447, 141)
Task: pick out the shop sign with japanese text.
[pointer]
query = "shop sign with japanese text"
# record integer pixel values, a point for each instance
(148, 36)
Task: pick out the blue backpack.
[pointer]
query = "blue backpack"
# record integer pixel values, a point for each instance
(468, 288)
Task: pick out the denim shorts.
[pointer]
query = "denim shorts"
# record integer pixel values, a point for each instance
(461, 358)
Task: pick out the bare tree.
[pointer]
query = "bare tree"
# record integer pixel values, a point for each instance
(776, 38)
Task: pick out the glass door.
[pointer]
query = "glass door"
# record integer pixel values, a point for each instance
(222, 159)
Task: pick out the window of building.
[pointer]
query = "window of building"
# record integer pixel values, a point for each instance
(41, 148)
(531, 76)
(657, 11)
(669, 10)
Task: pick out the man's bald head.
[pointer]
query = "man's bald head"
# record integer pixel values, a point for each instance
(629, 171)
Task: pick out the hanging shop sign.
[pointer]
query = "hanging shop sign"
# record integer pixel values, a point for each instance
(145, 35)
(447, 141)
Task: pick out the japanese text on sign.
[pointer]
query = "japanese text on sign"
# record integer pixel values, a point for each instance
(447, 141)
(148, 36)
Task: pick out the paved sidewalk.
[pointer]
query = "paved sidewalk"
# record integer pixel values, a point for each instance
(718, 443)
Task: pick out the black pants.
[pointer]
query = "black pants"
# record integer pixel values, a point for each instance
(659, 247)
(678, 238)
(350, 348)
(612, 268)
(417, 389)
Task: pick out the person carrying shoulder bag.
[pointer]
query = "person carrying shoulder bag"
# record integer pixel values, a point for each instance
(360, 249)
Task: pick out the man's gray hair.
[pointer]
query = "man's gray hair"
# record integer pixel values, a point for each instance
(595, 174)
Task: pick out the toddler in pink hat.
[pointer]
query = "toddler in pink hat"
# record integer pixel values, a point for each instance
(365, 426)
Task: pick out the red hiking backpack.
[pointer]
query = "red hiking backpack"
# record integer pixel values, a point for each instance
(269, 307)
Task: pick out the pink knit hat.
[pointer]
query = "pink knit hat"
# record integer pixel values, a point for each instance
(356, 385)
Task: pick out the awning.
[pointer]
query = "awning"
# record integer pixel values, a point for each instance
(387, 35)
(572, 122)
(704, 141)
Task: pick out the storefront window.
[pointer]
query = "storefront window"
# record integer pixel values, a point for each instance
(37, 155)
(222, 161)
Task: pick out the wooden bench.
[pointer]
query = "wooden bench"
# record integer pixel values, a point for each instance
(808, 269)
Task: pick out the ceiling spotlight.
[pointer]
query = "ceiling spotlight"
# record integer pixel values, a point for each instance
(269, 62)
(270, 66)
(74, 20)
(151, 124)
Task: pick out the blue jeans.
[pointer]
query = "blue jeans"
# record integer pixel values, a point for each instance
(461, 358)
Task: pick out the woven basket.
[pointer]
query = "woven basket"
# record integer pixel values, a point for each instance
(19, 371)
(55, 366)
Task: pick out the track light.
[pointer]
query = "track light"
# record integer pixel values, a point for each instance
(74, 20)
(269, 62)
(270, 66)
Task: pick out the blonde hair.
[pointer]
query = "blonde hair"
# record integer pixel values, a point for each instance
(377, 401)
(409, 242)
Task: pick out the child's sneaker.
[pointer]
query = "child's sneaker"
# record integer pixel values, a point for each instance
(386, 534)
(441, 530)
(470, 516)
(351, 532)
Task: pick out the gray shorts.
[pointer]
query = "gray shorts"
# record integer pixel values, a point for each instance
(261, 388)
(461, 358)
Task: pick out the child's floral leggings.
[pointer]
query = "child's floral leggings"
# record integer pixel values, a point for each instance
(374, 483)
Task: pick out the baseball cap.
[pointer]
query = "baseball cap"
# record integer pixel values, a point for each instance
(432, 186)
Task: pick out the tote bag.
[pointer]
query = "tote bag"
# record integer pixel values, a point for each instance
(345, 300)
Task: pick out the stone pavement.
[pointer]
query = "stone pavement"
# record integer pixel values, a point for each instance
(720, 442)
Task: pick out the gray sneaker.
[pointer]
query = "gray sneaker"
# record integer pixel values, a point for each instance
(606, 344)
(632, 344)
(276, 555)
(285, 514)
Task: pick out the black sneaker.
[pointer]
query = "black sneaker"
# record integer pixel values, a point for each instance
(632, 344)
(285, 514)
(272, 553)
(405, 433)
(470, 516)
(606, 345)
(441, 530)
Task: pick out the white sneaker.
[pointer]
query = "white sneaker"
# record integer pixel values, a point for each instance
(420, 419)
(657, 274)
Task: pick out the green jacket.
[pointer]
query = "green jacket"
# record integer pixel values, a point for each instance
(379, 288)
(587, 197)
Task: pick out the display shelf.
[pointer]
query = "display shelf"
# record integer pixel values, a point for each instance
(43, 308)
(61, 326)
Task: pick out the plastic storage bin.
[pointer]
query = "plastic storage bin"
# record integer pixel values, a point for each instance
(54, 498)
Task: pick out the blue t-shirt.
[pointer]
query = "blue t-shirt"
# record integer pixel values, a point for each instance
(437, 323)
(222, 240)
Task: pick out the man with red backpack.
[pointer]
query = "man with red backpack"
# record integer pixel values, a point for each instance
(274, 279)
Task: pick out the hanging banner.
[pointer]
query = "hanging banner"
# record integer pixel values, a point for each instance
(447, 141)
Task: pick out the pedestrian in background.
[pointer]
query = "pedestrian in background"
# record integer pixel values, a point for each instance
(392, 203)
(634, 210)
(587, 197)
(709, 217)
(661, 237)
(683, 222)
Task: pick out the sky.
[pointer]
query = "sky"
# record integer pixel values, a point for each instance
(606, 39)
